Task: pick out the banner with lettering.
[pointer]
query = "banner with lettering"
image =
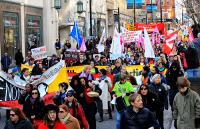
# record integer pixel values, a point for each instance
(131, 36)
(39, 53)
(151, 27)
(9, 90)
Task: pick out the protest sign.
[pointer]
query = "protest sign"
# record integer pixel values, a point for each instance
(71, 57)
(39, 53)
(131, 36)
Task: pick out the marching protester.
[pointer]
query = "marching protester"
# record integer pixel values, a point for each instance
(18, 120)
(58, 47)
(186, 106)
(122, 90)
(105, 98)
(33, 107)
(59, 98)
(25, 93)
(159, 90)
(76, 110)
(137, 117)
(51, 120)
(70, 121)
(149, 99)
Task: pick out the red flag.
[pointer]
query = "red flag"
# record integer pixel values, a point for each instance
(169, 43)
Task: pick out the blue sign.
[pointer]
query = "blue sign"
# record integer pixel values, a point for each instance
(130, 4)
(151, 8)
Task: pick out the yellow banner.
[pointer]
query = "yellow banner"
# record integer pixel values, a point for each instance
(130, 69)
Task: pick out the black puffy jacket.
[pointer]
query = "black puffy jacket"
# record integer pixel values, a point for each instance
(23, 124)
(143, 119)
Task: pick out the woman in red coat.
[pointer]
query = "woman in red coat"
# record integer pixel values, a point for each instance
(51, 120)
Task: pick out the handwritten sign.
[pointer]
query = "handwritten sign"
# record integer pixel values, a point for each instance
(39, 53)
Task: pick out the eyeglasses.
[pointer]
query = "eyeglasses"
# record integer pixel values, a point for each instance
(61, 111)
(12, 115)
(143, 88)
(34, 93)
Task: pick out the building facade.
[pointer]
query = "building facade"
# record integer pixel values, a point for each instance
(24, 23)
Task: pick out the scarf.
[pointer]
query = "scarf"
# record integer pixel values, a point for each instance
(64, 120)
(89, 76)
(32, 100)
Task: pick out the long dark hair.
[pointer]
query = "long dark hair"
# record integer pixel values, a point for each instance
(19, 113)
(145, 86)
(47, 121)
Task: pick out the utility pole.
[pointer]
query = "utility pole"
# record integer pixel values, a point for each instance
(90, 4)
(118, 19)
(161, 11)
(151, 11)
(134, 12)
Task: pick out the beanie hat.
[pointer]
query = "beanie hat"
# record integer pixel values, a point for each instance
(155, 77)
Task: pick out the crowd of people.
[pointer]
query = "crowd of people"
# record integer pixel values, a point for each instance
(137, 107)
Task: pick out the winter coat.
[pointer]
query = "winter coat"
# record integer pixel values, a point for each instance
(19, 58)
(33, 109)
(150, 101)
(59, 98)
(161, 94)
(58, 125)
(105, 96)
(23, 124)
(77, 111)
(71, 122)
(186, 108)
(143, 119)
(5, 61)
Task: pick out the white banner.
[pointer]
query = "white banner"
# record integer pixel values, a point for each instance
(131, 36)
(49, 76)
(39, 53)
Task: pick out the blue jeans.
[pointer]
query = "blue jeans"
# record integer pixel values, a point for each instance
(118, 120)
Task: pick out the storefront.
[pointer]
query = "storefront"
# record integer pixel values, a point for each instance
(10, 28)
(12, 24)
(33, 31)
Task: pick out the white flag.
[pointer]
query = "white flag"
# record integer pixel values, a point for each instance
(149, 52)
(116, 46)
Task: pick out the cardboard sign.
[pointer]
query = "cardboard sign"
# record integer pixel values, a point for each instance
(39, 53)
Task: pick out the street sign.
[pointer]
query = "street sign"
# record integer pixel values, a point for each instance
(57, 4)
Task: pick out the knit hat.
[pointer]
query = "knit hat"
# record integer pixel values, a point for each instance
(155, 77)
(51, 107)
(70, 93)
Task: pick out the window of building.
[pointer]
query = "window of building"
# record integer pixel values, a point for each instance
(33, 31)
(11, 33)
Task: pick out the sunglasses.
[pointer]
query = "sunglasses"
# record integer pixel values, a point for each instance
(34, 93)
(69, 95)
(143, 88)
(12, 115)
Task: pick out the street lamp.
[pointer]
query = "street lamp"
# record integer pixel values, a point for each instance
(79, 7)
(161, 11)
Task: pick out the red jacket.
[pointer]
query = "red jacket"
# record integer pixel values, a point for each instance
(77, 111)
(88, 100)
(58, 125)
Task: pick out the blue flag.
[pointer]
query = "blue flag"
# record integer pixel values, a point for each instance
(75, 34)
